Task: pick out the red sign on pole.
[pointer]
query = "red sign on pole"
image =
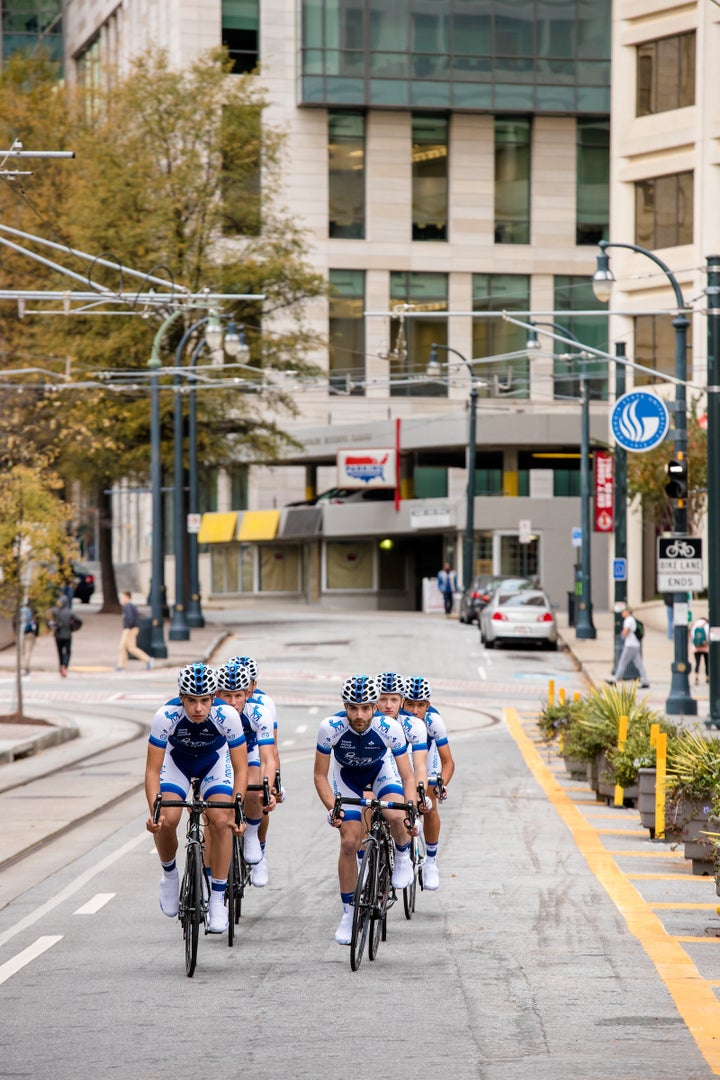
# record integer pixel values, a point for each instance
(604, 491)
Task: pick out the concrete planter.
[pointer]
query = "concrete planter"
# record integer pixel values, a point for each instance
(606, 784)
(576, 767)
(687, 820)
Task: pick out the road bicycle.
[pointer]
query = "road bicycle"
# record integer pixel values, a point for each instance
(374, 892)
(417, 857)
(194, 887)
(240, 871)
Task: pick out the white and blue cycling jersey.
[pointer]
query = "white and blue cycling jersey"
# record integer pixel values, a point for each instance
(437, 736)
(263, 707)
(196, 749)
(415, 730)
(363, 762)
(258, 727)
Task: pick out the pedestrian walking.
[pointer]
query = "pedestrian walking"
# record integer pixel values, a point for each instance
(447, 584)
(631, 652)
(701, 646)
(27, 619)
(128, 638)
(63, 622)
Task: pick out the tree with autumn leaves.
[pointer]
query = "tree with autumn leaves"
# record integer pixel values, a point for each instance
(166, 179)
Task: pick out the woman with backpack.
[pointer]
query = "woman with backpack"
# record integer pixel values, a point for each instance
(701, 647)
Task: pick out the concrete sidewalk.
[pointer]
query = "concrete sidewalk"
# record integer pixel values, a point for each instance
(595, 656)
(94, 651)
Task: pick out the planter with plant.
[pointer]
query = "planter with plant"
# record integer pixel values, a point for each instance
(634, 766)
(692, 795)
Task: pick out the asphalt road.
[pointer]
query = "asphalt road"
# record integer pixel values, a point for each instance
(523, 964)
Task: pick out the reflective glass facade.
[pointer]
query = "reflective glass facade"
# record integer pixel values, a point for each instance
(550, 56)
(496, 337)
(29, 23)
(576, 294)
(346, 175)
(412, 339)
(346, 337)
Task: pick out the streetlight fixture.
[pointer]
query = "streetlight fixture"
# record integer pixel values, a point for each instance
(584, 626)
(433, 371)
(233, 341)
(679, 702)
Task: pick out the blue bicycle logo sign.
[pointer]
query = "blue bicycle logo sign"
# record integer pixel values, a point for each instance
(639, 421)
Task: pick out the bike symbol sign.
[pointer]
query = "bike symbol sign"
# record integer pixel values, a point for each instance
(639, 421)
(679, 564)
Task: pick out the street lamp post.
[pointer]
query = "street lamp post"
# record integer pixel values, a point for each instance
(157, 646)
(679, 702)
(469, 543)
(214, 339)
(584, 626)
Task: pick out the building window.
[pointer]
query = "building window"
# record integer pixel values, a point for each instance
(497, 338)
(242, 153)
(279, 568)
(411, 339)
(346, 167)
(666, 74)
(664, 211)
(592, 208)
(231, 568)
(29, 23)
(240, 33)
(576, 294)
(429, 178)
(655, 347)
(512, 181)
(491, 56)
(349, 565)
(430, 482)
(346, 344)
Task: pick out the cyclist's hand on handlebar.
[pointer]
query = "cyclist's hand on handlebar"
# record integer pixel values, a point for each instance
(425, 807)
(271, 805)
(335, 819)
(280, 795)
(238, 830)
(154, 826)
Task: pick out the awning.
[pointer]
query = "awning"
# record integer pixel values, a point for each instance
(301, 521)
(217, 528)
(258, 525)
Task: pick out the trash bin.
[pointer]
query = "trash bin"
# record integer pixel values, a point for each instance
(144, 633)
(571, 607)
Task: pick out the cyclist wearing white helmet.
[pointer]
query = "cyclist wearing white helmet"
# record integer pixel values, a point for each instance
(369, 751)
(440, 761)
(234, 684)
(196, 736)
(392, 696)
(261, 707)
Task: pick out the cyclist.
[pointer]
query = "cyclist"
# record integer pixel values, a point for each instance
(369, 753)
(234, 682)
(390, 702)
(196, 736)
(262, 708)
(440, 761)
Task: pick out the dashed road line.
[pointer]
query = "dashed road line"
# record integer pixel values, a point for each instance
(93, 905)
(17, 963)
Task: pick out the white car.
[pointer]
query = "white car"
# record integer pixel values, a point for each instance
(518, 616)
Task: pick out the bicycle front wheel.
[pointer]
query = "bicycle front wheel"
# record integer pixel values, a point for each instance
(191, 905)
(231, 891)
(382, 891)
(364, 901)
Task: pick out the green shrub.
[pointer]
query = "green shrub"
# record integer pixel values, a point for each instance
(637, 753)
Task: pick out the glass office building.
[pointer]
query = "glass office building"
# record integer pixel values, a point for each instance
(550, 56)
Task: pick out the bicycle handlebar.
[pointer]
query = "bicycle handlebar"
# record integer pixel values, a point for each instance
(264, 787)
(440, 787)
(199, 805)
(347, 800)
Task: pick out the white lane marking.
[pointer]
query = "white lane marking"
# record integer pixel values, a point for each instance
(313, 709)
(288, 742)
(11, 967)
(482, 672)
(99, 900)
(301, 728)
(72, 888)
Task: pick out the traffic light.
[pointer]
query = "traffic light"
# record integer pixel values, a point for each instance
(677, 483)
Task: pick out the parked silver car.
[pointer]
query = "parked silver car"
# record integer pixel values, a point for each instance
(525, 615)
(478, 593)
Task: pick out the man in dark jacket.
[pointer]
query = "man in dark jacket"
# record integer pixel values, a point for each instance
(61, 619)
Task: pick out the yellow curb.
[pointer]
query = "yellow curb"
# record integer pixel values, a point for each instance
(694, 998)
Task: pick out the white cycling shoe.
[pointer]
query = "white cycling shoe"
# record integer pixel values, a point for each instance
(252, 849)
(402, 874)
(430, 875)
(169, 894)
(259, 874)
(217, 914)
(343, 934)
